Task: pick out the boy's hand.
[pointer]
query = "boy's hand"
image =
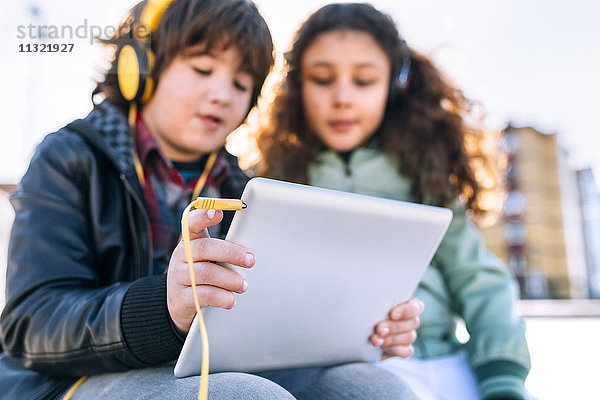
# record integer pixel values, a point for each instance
(396, 334)
(215, 284)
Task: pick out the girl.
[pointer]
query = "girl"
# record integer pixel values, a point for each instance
(97, 221)
(360, 111)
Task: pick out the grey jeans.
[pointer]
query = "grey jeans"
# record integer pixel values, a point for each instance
(350, 381)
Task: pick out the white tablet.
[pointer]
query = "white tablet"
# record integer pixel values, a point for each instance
(329, 266)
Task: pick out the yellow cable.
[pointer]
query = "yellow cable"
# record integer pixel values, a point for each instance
(136, 159)
(185, 232)
(205, 203)
(74, 387)
(222, 204)
(202, 180)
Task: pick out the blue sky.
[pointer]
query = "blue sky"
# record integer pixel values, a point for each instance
(530, 62)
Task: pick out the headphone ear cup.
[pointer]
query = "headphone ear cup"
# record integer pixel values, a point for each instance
(395, 91)
(149, 82)
(135, 60)
(399, 80)
(132, 70)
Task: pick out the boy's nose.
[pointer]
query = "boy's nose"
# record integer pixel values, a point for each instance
(220, 91)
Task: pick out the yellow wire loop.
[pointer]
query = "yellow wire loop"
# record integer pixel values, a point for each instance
(185, 233)
(74, 387)
(205, 203)
(136, 159)
(202, 180)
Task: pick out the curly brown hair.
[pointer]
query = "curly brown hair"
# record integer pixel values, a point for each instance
(426, 131)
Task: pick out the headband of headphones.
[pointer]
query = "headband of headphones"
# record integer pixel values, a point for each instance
(134, 62)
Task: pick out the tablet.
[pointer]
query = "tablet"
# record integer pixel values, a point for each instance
(329, 266)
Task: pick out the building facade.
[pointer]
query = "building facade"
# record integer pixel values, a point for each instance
(539, 234)
(590, 215)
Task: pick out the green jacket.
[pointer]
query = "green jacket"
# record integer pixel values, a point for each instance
(464, 281)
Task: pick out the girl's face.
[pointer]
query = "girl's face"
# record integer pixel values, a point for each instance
(199, 100)
(345, 82)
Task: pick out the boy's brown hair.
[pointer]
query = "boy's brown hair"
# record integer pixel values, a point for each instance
(187, 24)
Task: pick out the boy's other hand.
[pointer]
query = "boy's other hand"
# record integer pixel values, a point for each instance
(396, 334)
(215, 285)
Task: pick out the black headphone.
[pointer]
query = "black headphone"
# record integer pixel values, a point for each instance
(400, 77)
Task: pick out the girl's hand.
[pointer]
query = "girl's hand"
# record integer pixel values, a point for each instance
(215, 285)
(396, 334)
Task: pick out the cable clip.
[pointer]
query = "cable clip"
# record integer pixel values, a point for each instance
(219, 204)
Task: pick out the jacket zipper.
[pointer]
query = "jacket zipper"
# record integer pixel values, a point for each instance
(83, 128)
(345, 159)
(138, 202)
(347, 168)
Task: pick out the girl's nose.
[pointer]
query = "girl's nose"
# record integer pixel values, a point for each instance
(343, 94)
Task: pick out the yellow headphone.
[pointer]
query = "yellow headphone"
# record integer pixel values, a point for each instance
(134, 66)
(134, 62)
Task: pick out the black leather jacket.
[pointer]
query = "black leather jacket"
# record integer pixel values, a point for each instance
(81, 298)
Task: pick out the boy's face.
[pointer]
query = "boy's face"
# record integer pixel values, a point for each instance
(345, 82)
(199, 100)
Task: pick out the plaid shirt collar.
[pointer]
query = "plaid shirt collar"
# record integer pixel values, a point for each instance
(167, 194)
(150, 154)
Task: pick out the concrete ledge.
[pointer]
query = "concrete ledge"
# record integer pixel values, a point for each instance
(574, 308)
